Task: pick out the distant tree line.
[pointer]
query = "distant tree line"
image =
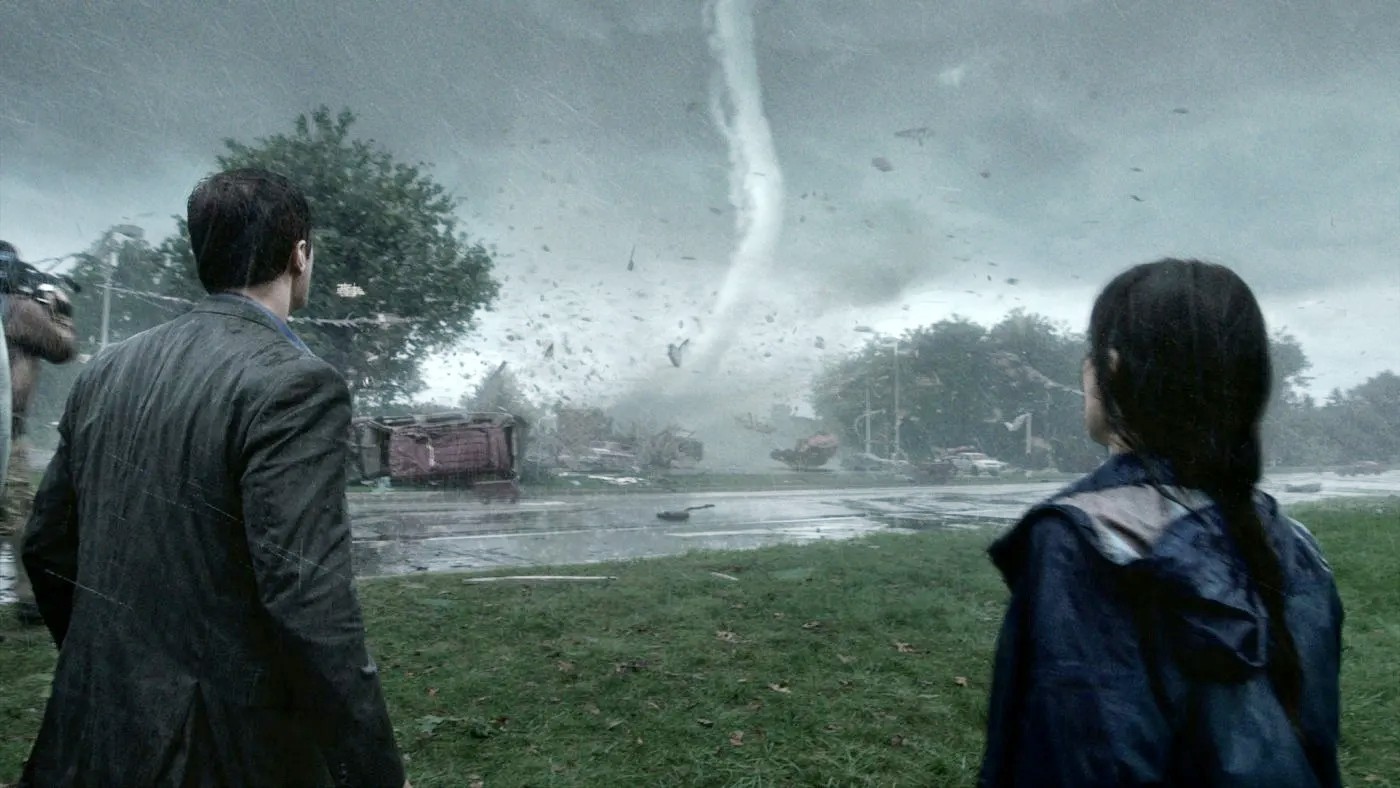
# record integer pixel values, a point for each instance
(964, 384)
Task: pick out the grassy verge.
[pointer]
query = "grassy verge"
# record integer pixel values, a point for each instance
(854, 663)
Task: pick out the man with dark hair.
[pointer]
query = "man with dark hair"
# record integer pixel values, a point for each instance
(38, 328)
(189, 544)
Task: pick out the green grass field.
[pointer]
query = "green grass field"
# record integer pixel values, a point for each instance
(850, 663)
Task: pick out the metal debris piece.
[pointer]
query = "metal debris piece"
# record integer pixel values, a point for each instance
(674, 352)
(918, 134)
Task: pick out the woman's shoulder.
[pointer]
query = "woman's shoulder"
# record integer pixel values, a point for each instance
(1297, 548)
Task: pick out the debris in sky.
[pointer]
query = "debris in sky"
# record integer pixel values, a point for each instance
(918, 134)
(716, 211)
(881, 163)
(1180, 111)
(1135, 169)
(674, 352)
(1013, 281)
(632, 258)
(985, 173)
(1137, 198)
(820, 343)
(549, 351)
(544, 247)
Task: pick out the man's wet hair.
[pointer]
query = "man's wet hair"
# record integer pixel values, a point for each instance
(244, 225)
(1187, 390)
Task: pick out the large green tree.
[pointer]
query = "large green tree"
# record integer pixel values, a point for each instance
(961, 384)
(388, 249)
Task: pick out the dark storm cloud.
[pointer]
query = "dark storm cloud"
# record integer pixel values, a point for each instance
(1054, 142)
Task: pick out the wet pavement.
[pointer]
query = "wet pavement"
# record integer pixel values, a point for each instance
(397, 533)
(435, 533)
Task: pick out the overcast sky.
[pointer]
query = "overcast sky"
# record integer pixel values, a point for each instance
(1066, 140)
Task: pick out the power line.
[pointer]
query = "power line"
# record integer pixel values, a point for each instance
(378, 321)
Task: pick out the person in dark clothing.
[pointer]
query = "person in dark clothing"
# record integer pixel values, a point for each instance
(1168, 625)
(189, 544)
(38, 328)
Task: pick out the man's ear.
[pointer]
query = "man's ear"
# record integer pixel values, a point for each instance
(301, 256)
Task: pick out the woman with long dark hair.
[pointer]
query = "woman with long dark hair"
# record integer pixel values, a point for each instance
(1168, 625)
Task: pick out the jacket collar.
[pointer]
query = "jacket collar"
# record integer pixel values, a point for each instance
(240, 306)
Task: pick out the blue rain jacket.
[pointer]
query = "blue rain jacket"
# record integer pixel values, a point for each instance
(1135, 646)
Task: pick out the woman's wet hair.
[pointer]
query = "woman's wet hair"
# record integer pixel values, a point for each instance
(244, 225)
(1181, 355)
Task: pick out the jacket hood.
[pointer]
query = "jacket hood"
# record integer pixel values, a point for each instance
(1170, 545)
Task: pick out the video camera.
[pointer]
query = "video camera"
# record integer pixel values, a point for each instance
(22, 279)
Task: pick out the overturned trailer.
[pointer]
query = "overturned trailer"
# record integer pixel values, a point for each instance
(475, 450)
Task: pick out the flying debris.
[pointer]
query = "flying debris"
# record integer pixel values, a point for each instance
(881, 163)
(820, 343)
(985, 173)
(1016, 423)
(674, 352)
(549, 351)
(1137, 198)
(1180, 111)
(1135, 169)
(1013, 281)
(918, 134)
(632, 258)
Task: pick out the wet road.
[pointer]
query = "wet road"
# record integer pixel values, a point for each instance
(398, 533)
(430, 533)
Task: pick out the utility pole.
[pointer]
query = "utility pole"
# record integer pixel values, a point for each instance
(895, 450)
(134, 233)
(896, 453)
(867, 417)
(107, 296)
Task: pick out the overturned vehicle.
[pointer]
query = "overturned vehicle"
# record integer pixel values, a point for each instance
(457, 449)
